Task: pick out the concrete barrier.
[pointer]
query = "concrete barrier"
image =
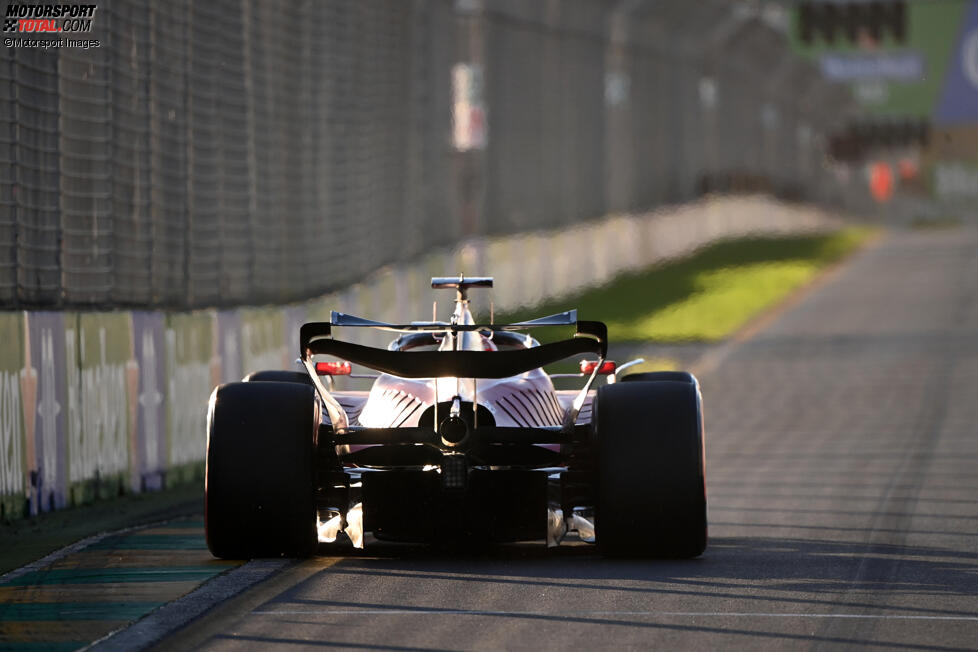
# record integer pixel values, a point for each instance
(96, 404)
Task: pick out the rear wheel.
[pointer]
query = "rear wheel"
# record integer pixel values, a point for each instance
(279, 376)
(651, 483)
(261, 445)
(675, 376)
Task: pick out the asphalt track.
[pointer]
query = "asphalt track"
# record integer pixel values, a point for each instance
(842, 445)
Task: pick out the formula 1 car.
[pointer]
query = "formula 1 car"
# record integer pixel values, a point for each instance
(462, 436)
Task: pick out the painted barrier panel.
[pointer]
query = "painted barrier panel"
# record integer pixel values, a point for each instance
(149, 447)
(192, 370)
(293, 318)
(13, 447)
(45, 410)
(229, 335)
(98, 404)
(263, 344)
(320, 309)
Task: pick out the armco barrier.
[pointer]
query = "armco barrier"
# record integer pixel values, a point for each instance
(97, 404)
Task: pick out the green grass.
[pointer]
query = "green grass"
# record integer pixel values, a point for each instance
(709, 295)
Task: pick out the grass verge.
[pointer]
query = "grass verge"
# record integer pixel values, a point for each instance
(711, 294)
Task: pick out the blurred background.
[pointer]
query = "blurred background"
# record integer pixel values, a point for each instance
(231, 152)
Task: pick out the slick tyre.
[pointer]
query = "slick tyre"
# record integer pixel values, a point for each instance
(279, 376)
(675, 376)
(259, 491)
(650, 474)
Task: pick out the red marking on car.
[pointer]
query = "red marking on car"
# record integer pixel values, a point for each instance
(333, 368)
(608, 368)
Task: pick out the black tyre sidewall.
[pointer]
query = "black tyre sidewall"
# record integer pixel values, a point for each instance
(649, 376)
(650, 474)
(279, 376)
(261, 443)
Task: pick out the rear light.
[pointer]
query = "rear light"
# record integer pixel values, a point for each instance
(588, 366)
(333, 368)
(454, 471)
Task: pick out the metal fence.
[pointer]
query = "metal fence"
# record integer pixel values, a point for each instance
(235, 152)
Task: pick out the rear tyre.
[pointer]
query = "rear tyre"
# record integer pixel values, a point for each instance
(279, 376)
(259, 491)
(675, 376)
(650, 473)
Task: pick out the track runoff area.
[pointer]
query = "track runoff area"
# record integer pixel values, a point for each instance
(841, 445)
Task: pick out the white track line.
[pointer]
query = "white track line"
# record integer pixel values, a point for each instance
(61, 553)
(173, 616)
(577, 614)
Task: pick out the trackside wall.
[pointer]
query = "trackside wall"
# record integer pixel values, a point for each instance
(97, 404)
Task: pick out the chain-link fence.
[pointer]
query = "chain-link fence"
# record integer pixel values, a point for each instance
(235, 152)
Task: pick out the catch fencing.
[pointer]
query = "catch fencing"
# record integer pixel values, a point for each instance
(224, 153)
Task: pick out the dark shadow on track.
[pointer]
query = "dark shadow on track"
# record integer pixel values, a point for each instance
(784, 566)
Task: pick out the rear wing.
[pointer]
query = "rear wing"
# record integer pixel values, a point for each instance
(568, 318)
(315, 338)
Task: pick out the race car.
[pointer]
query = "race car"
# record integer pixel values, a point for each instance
(462, 436)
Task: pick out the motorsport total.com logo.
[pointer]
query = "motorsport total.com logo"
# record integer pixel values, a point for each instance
(77, 19)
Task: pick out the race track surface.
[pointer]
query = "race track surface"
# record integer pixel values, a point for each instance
(842, 441)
